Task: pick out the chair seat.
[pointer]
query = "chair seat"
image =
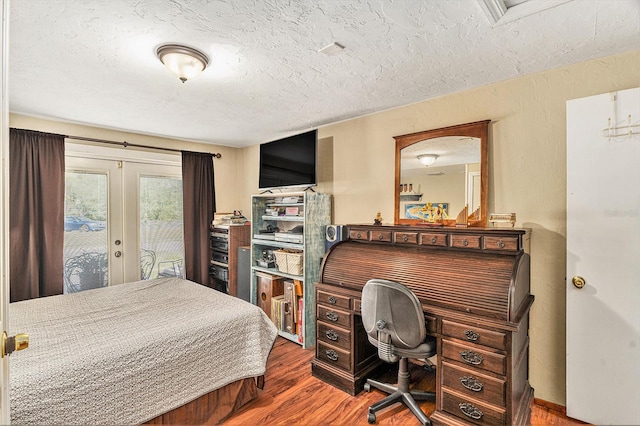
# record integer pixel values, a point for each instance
(425, 350)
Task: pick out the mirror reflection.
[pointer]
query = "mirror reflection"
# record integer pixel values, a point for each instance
(441, 172)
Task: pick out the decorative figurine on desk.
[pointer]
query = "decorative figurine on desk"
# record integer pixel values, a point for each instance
(378, 219)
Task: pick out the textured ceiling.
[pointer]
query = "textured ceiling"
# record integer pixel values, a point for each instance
(93, 62)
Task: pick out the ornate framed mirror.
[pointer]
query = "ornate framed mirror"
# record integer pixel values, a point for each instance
(440, 172)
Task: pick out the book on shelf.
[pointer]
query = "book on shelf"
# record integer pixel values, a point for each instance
(276, 311)
(299, 319)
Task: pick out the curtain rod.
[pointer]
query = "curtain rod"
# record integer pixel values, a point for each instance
(126, 144)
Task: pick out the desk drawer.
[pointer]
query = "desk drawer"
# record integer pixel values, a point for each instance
(473, 384)
(384, 236)
(471, 334)
(465, 241)
(432, 324)
(471, 410)
(474, 357)
(405, 237)
(333, 335)
(358, 234)
(334, 316)
(433, 240)
(501, 243)
(332, 299)
(334, 356)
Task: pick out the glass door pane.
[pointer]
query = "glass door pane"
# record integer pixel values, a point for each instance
(93, 224)
(161, 241)
(153, 225)
(85, 231)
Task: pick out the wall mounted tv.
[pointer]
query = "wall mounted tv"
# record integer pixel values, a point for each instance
(289, 162)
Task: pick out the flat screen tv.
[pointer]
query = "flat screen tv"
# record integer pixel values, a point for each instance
(289, 162)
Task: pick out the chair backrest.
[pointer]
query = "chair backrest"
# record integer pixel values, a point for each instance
(147, 262)
(389, 307)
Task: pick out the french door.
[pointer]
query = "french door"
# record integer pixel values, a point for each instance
(123, 222)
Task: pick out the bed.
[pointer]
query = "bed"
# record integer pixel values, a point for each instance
(135, 353)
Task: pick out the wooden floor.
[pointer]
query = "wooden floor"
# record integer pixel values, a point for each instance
(292, 396)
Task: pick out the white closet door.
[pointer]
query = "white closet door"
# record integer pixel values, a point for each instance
(603, 247)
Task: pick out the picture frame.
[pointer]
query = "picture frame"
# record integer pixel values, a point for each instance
(419, 210)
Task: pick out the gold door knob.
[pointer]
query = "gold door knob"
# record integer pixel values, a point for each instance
(14, 343)
(577, 281)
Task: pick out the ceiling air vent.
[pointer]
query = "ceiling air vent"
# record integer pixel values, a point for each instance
(500, 12)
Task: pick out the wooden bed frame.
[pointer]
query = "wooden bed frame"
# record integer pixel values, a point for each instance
(215, 407)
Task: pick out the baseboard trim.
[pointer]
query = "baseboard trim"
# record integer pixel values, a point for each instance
(560, 409)
(551, 406)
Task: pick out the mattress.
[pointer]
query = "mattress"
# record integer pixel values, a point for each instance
(128, 353)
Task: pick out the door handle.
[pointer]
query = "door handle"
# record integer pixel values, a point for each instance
(118, 253)
(577, 281)
(14, 343)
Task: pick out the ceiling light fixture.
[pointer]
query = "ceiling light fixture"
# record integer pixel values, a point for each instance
(427, 159)
(185, 62)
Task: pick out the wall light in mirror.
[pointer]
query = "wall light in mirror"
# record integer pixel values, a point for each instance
(427, 159)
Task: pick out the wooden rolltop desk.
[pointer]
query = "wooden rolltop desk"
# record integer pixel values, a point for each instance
(474, 287)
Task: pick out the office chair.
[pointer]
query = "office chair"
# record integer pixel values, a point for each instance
(393, 319)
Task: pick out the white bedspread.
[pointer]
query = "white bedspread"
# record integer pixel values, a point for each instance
(128, 353)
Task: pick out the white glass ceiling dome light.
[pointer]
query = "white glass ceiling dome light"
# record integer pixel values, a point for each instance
(185, 62)
(427, 159)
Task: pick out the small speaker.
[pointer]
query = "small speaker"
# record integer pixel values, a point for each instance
(334, 234)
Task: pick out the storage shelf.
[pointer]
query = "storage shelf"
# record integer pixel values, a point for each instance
(275, 271)
(285, 204)
(289, 336)
(279, 244)
(284, 218)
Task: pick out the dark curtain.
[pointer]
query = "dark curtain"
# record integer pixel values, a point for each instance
(199, 203)
(36, 217)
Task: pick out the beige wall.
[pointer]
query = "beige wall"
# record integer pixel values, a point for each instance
(527, 176)
(226, 170)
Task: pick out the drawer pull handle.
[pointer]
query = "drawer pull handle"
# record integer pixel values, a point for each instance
(465, 242)
(434, 240)
(471, 357)
(405, 238)
(471, 383)
(332, 316)
(471, 335)
(332, 300)
(470, 410)
(501, 244)
(380, 237)
(332, 355)
(332, 335)
(358, 235)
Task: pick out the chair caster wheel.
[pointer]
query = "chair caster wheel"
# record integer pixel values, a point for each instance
(367, 387)
(371, 418)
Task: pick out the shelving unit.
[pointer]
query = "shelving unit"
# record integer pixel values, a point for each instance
(313, 214)
(225, 240)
